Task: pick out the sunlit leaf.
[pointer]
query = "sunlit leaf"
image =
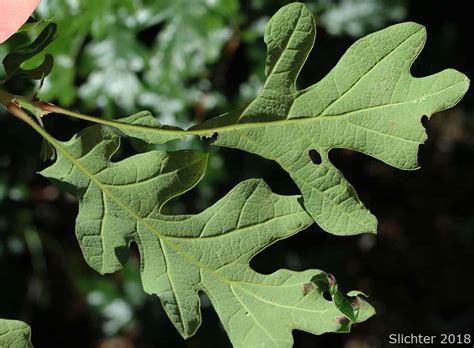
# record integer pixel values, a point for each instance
(368, 103)
(120, 202)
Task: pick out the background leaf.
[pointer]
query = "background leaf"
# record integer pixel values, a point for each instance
(13, 61)
(369, 103)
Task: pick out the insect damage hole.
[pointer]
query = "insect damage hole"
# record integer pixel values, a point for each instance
(327, 295)
(209, 139)
(314, 156)
(213, 137)
(424, 121)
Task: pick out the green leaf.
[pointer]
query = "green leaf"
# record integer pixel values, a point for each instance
(84, 163)
(348, 304)
(369, 102)
(13, 61)
(14, 334)
(120, 203)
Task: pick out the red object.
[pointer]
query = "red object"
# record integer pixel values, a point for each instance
(13, 14)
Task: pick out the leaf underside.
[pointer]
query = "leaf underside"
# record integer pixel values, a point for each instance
(120, 203)
(14, 334)
(369, 102)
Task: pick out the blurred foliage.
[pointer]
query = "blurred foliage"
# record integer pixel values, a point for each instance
(190, 60)
(359, 17)
(132, 54)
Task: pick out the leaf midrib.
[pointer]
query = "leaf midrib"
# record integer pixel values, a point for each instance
(160, 236)
(250, 125)
(139, 219)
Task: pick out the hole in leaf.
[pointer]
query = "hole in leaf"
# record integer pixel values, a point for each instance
(327, 295)
(213, 138)
(209, 139)
(424, 120)
(314, 156)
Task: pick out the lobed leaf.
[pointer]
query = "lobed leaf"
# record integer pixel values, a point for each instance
(369, 102)
(120, 203)
(14, 60)
(14, 334)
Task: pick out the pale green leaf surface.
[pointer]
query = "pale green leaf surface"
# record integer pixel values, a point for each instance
(369, 102)
(14, 334)
(120, 203)
(109, 192)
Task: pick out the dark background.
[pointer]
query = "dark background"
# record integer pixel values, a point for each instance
(188, 61)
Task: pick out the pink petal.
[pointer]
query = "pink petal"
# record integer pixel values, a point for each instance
(13, 14)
